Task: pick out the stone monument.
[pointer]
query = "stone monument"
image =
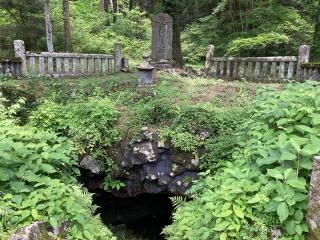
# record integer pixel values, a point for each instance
(162, 40)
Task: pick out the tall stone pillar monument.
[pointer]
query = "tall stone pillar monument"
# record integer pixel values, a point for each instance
(162, 40)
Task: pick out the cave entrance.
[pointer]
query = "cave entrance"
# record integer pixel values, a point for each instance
(135, 218)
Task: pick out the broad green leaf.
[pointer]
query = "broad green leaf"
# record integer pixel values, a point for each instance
(275, 173)
(225, 213)
(53, 222)
(88, 235)
(48, 168)
(238, 212)
(283, 211)
(282, 121)
(17, 199)
(296, 183)
(299, 197)
(291, 227)
(309, 150)
(298, 229)
(306, 163)
(290, 174)
(288, 156)
(5, 174)
(34, 213)
(272, 206)
(315, 119)
(221, 226)
(304, 129)
(315, 141)
(298, 216)
(295, 144)
(223, 236)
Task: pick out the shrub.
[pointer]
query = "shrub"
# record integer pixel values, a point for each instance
(37, 182)
(252, 45)
(91, 125)
(195, 125)
(55, 203)
(267, 175)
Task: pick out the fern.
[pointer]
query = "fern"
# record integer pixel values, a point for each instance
(177, 201)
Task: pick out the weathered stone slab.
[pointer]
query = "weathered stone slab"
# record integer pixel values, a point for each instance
(162, 38)
(20, 52)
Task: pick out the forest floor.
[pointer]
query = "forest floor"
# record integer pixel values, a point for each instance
(179, 88)
(158, 103)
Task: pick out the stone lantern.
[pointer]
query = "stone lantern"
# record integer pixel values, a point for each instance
(145, 70)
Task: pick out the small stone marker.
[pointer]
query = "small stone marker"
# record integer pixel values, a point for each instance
(162, 40)
(20, 52)
(117, 57)
(145, 72)
(304, 54)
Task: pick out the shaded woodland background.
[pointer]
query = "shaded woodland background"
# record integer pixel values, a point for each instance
(235, 27)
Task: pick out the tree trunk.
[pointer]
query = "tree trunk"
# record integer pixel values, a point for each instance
(114, 8)
(66, 26)
(48, 26)
(315, 48)
(131, 4)
(101, 7)
(176, 45)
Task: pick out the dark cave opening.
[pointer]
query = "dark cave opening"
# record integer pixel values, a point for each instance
(135, 218)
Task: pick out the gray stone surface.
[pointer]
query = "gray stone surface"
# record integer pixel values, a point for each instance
(20, 52)
(209, 59)
(161, 38)
(149, 165)
(40, 231)
(35, 231)
(145, 72)
(117, 57)
(92, 165)
(275, 234)
(313, 216)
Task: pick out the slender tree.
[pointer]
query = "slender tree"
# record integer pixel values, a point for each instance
(183, 12)
(315, 48)
(102, 7)
(66, 26)
(48, 26)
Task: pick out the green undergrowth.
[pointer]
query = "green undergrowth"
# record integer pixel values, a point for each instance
(91, 116)
(38, 173)
(262, 184)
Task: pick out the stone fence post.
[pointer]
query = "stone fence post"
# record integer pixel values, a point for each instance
(304, 54)
(117, 57)
(20, 52)
(313, 216)
(209, 59)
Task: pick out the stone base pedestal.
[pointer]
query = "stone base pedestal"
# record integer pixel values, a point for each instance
(162, 64)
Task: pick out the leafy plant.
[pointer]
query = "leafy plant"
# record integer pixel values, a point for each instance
(112, 184)
(89, 124)
(55, 203)
(37, 182)
(267, 176)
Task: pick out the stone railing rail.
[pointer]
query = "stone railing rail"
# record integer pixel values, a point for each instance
(11, 66)
(63, 64)
(310, 71)
(277, 69)
(69, 64)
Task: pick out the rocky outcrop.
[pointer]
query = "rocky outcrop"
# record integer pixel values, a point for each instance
(148, 165)
(35, 231)
(40, 231)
